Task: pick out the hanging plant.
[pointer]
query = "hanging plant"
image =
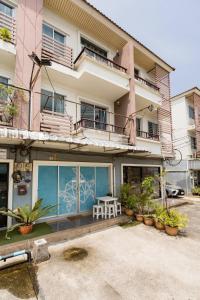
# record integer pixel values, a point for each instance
(12, 110)
(5, 34)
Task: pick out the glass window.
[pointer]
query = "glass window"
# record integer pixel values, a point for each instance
(6, 9)
(59, 37)
(46, 100)
(193, 143)
(59, 103)
(152, 129)
(191, 112)
(93, 116)
(93, 47)
(3, 93)
(138, 125)
(52, 101)
(47, 30)
(136, 72)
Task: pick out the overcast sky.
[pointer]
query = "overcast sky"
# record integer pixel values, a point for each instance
(169, 28)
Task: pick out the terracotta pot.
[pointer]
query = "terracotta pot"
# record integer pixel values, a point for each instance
(159, 225)
(171, 230)
(129, 212)
(25, 229)
(139, 218)
(148, 221)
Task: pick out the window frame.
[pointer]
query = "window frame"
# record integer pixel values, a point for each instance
(8, 6)
(102, 108)
(191, 112)
(54, 29)
(193, 142)
(95, 45)
(154, 125)
(44, 93)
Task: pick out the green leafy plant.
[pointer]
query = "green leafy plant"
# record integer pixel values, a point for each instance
(159, 213)
(26, 215)
(5, 34)
(125, 193)
(11, 109)
(173, 218)
(196, 191)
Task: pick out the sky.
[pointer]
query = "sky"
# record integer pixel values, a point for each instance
(170, 28)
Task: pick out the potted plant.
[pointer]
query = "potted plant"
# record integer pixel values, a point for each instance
(159, 217)
(195, 191)
(5, 34)
(174, 221)
(26, 216)
(130, 205)
(125, 193)
(12, 110)
(147, 194)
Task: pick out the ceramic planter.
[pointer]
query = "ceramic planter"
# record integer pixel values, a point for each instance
(159, 225)
(149, 221)
(25, 229)
(139, 217)
(173, 231)
(129, 212)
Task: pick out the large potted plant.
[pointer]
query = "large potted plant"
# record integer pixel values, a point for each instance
(126, 198)
(174, 221)
(159, 217)
(147, 187)
(26, 216)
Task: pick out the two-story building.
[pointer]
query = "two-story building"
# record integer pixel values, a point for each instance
(184, 171)
(98, 116)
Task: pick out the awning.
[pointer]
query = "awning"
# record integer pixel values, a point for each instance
(15, 134)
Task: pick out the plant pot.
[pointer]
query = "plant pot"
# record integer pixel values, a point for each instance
(129, 212)
(149, 221)
(25, 229)
(173, 231)
(159, 225)
(139, 217)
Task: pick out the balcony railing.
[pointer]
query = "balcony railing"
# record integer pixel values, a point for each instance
(100, 58)
(146, 82)
(57, 52)
(98, 125)
(148, 135)
(9, 23)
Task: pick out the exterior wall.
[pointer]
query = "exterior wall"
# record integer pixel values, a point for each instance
(28, 39)
(126, 104)
(196, 99)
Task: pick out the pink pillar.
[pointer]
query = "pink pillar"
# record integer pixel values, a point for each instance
(28, 39)
(126, 104)
(196, 99)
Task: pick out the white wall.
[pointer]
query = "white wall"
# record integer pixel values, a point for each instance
(180, 124)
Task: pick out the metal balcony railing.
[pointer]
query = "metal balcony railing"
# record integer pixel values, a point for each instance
(56, 51)
(146, 82)
(90, 53)
(9, 23)
(147, 135)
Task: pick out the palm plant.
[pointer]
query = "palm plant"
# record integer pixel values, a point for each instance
(26, 215)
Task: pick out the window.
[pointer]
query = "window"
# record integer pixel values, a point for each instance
(3, 93)
(6, 9)
(191, 112)
(93, 47)
(136, 72)
(138, 125)
(54, 34)
(152, 129)
(93, 116)
(52, 102)
(193, 143)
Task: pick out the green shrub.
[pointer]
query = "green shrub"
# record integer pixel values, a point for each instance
(173, 218)
(5, 34)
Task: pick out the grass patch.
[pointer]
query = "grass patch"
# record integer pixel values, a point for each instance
(38, 230)
(130, 224)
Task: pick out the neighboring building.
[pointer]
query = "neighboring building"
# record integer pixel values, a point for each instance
(98, 116)
(186, 139)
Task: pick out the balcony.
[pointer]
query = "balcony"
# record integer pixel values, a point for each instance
(100, 75)
(57, 52)
(147, 92)
(147, 135)
(9, 23)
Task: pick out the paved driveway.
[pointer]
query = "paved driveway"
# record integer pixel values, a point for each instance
(133, 263)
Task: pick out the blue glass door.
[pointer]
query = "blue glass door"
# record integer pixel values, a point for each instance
(48, 187)
(67, 190)
(87, 188)
(102, 181)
